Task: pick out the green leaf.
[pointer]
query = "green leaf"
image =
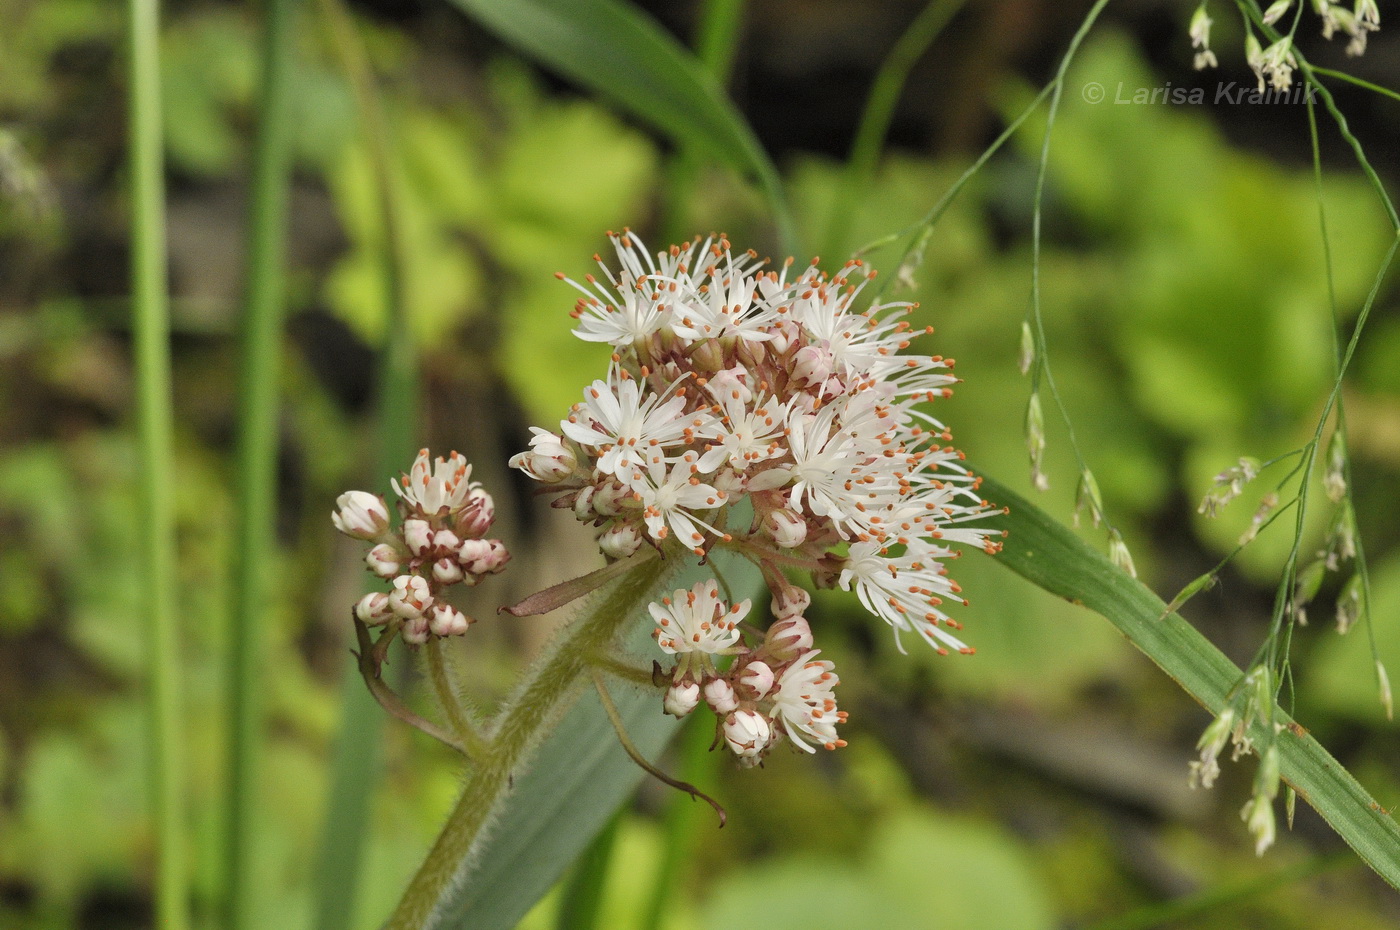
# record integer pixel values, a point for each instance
(615, 50)
(1050, 556)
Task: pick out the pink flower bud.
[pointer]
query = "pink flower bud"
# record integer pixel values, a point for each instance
(719, 694)
(790, 602)
(483, 556)
(384, 560)
(787, 527)
(446, 620)
(608, 499)
(447, 570)
(361, 515)
(788, 639)
(476, 520)
(373, 609)
(812, 364)
(757, 677)
(583, 503)
(620, 540)
(748, 733)
(410, 596)
(415, 631)
(446, 541)
(681, 698)
(418, 535)
(785, 334)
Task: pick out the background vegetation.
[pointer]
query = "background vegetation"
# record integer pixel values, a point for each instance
(1039, 784)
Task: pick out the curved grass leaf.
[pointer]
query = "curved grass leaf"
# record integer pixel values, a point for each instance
(615, 50)
(1049, 555)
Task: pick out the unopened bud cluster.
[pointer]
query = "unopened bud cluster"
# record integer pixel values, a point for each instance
(777, 691)
(439, 542)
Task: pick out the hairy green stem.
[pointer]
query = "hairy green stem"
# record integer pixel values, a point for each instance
(155, 428)
(256, 454)
(552, 682)
(446, 693)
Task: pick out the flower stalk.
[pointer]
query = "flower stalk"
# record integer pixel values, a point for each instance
(552, 682)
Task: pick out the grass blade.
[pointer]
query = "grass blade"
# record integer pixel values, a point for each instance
(256, 454)
(357, 754)
(615, 50)
(155, 429)
(1052, 557)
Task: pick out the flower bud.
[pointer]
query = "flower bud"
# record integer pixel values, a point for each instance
(787, 527)
(620, 540)
(583, 503)
(549, 460)
(410, 596)
(373, 609)
(785, 334)
(788, 639)
(361, 515)
(748, 733)
(719, 694)
(446, 541)
(609, 499)
(415, 631)
(479, 514)
(790, 602)
(483, 556)
(419, 536)
(446, 620)
(384, 560)
(681, 698)
(811, 365)
(757, 677)
(447, 570)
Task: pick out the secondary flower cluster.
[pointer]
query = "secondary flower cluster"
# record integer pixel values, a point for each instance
(733, 382)
(444, 517)
(777, 690)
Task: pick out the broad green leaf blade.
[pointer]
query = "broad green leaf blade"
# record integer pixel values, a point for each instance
(1049, 555)
(617, 51)
(576, 780)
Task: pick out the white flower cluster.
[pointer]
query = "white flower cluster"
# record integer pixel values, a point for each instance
(439, 542)
(730, 380)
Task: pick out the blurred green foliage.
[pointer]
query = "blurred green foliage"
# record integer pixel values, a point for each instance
(1187, 316)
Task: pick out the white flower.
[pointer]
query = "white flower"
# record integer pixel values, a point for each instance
(618, 419)
(670, 498)
(804, 704)
(906, 592)
(697, 620)
(361, 515)
(438, 489)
